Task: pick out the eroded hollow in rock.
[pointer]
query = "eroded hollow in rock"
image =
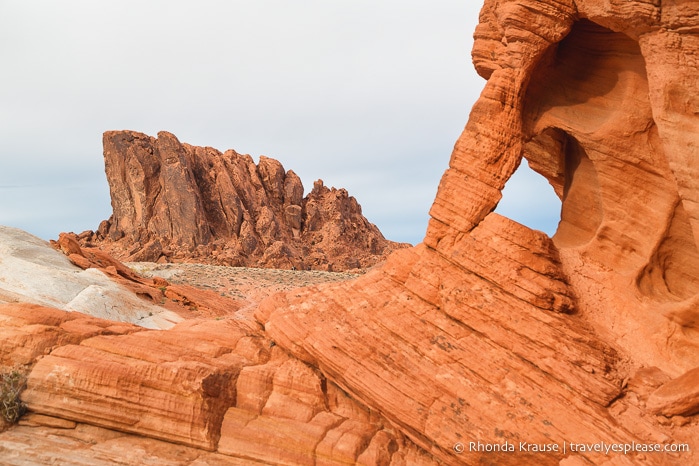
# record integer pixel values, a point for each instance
(592, 134)
(581, 90)
(581, 208)
(672, 271)
(585, 77)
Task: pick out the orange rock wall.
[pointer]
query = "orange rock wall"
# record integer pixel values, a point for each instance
(488, 331)
(597, 97)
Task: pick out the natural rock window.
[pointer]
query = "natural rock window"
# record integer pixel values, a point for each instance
(590, 130)
(530, 200)
(592, 133)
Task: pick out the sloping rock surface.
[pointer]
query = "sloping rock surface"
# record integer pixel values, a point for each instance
(213, 389)
(177, 202)
(202, 386)
(521, 337)
(490, 343)
(31, 271)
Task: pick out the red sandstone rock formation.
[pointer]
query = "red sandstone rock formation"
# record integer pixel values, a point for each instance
(173, 201)
(589, 335)
(488, 332)
(214, 385)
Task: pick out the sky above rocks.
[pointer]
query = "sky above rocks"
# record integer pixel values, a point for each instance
(369, 95)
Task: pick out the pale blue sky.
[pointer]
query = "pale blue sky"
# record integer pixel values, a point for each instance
(369, 95)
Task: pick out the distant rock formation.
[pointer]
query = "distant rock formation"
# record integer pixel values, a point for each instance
(489, 343)
(176, 202)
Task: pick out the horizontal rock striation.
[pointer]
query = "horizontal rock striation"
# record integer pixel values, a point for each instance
(491, 332)
(212, 385)
(488, 333)
(174, 201)
(173, 386)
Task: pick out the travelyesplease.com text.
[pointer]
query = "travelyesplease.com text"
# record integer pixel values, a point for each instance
(573, 447)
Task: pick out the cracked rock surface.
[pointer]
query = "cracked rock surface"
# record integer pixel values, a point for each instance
(488, 332)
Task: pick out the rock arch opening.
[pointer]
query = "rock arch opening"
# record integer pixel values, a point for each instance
(530, 200)
(586, 116)
(558, 193)
(591, 132)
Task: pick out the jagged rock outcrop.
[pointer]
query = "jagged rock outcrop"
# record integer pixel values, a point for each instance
(177, 202)
(490, 343)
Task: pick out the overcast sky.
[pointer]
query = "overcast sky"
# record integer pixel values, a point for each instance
(369, 95)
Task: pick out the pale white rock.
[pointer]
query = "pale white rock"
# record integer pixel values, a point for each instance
(31, 271)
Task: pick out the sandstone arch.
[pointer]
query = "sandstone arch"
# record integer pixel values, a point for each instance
(489, 331)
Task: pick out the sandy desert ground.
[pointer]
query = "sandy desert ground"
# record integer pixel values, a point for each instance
(241, 283)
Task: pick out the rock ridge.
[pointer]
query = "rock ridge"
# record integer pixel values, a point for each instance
(177, 202)
(486, 333)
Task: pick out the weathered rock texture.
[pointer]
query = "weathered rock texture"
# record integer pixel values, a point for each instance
(33, 272)
(100, 391)
(173, 201)
(212, 385)
(183, 301)
(488, 332)
(599, 97)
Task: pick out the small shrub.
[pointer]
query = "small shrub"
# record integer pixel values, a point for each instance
(12, 382)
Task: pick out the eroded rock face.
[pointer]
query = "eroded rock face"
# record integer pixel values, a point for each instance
(601, 97)
(522, 337)
(488, 332)
(211, 385)
(173, 201)
(100, 391)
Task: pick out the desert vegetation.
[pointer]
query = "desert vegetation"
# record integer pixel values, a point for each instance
(12, 382)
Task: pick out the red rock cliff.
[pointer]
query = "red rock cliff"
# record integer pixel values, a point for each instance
(488, 333)
(173, 201)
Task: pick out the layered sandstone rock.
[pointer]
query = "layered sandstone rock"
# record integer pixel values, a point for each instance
(30, 331)
(39, 442)
(212, 385)
(176, 202)
(488, 332)
(167, 299)
(600, 100)
(173, 385)
(100, 391)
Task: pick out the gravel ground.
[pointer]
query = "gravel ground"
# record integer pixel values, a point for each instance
(237, 282)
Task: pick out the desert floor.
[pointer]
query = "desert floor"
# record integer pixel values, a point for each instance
(241, 283)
